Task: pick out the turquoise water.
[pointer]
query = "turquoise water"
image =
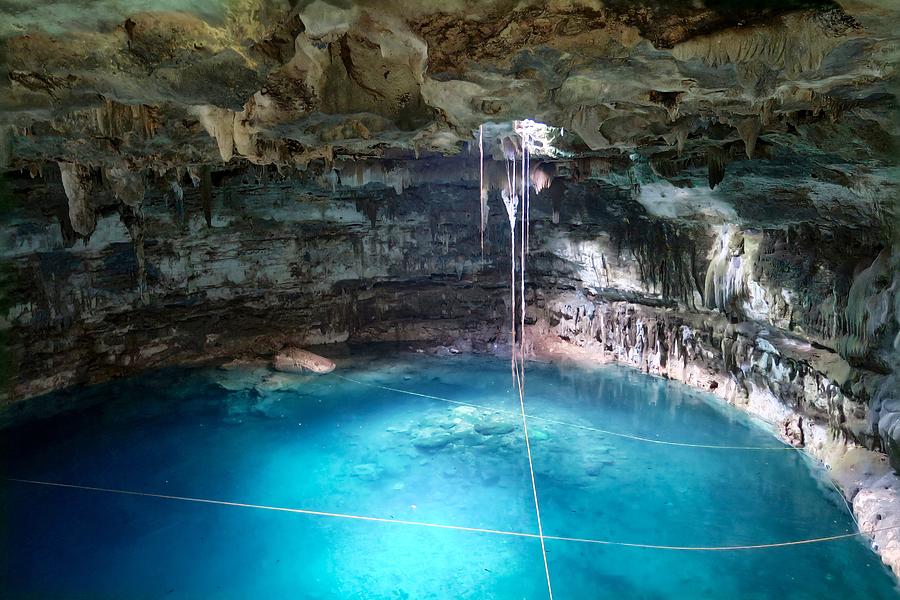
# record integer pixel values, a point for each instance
(327, 444)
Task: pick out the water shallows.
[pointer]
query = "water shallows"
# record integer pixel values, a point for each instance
(327, 444)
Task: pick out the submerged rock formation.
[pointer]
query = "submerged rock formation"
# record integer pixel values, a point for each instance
(712, 192)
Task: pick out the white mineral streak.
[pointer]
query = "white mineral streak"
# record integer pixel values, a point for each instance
(725, 274)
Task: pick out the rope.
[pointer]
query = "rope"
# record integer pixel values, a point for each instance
(521, 381)
(829, 538)
(637, 438)
(302, 511)
(844, 498)
(520, 534)
(537, 508)
(567, 424)
(813, 463)
(482, 195)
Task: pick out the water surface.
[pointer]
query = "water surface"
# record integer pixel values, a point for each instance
(324, 443)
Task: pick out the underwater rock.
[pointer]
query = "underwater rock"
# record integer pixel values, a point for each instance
(274, 382)
(432, 438)
(367, 471)
(464, 433)
(538, 435)
(238, 379)
(494, 425)
(465, 412)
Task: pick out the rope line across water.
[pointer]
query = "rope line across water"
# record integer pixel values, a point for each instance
(631, 437)
(521, 534)
(566, 424)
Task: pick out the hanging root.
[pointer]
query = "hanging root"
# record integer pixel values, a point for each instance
(482, 193)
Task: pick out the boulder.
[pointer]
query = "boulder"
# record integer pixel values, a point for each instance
(295, 360)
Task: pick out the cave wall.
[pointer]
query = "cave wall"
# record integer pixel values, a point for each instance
(207, 265)
(257, 262)
(801, 320)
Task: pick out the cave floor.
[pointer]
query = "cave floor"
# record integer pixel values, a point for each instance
(351, 444)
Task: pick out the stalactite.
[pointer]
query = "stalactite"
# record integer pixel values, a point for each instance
(511, 202)
(133, 218)
(77, 184)
(219, 124)
(749, 130)
(128, 187)
(206, 195)
(361, 173)
(868, 306)
(716, 159)
(116, 120)
(542, 176)
(666, 255)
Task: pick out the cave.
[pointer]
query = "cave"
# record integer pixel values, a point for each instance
(449, 299)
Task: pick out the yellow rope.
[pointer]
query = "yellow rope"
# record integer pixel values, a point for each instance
(537, 508)
(521, 534)
(566, 424)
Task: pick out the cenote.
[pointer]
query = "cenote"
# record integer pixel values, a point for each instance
(172, 485)
(439, 299)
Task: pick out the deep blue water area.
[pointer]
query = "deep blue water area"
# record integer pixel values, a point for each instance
(324, 443)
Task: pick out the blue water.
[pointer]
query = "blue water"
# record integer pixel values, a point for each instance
(323, 443)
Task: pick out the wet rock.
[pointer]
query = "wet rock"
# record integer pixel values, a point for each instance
(494, 425)
(367, 471)
(295, 360)
(432, 438)
(242, 378)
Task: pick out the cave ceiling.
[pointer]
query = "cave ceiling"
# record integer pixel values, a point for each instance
(766, 112)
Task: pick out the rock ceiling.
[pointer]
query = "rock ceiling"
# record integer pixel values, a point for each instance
(735, 102)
